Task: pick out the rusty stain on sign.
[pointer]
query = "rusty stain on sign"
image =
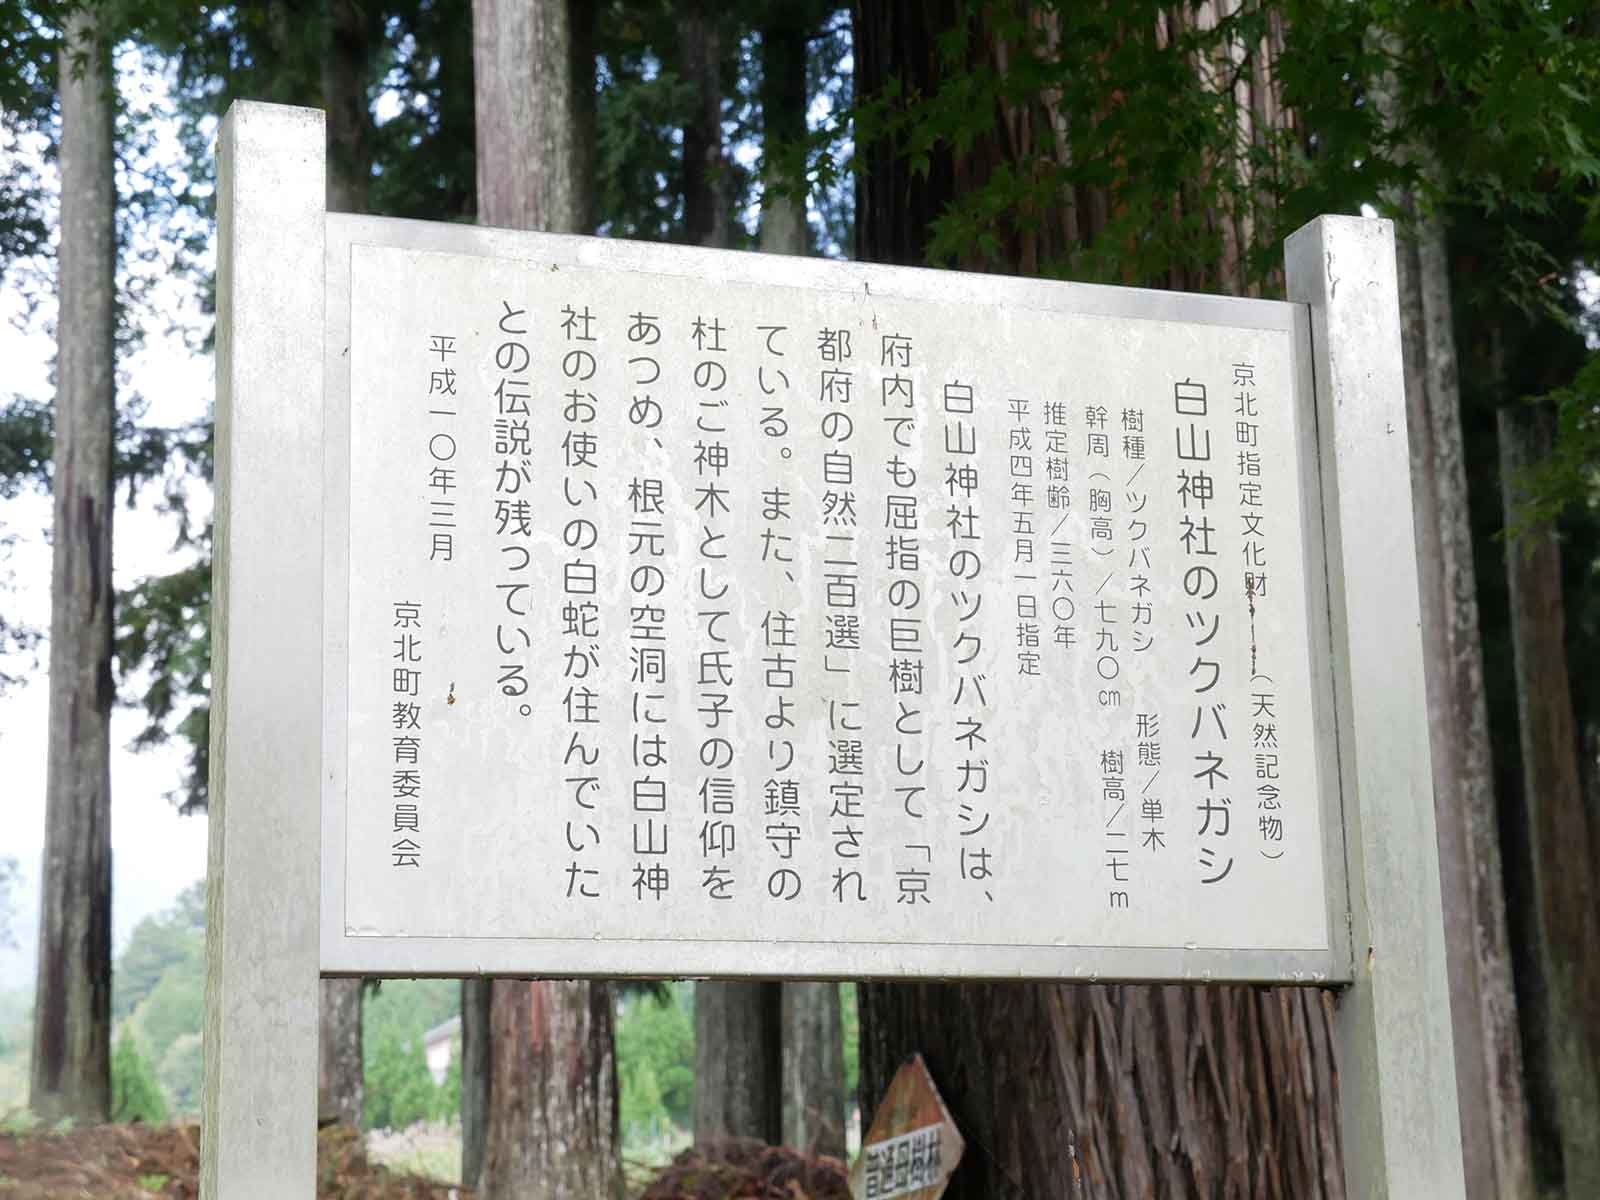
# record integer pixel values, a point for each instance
(913, 1145)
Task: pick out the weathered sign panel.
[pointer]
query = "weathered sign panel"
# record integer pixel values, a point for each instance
(942, 780)
(913, 1146)
(838, 620)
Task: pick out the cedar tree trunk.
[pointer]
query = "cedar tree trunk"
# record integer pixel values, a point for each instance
(812, 1036)
(1086, 1090)
(71, 1075)
(1564, 863)
(552, 1090)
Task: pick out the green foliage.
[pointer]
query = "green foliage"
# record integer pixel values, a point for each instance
(641, 1098)
(163, 630)
(399, 1088)
(424, 155)
(135, 1095)
(655, 1057)
(9, 873)
(408, 1007)
(1150, 120)
(158, 985)
(27, 105)
(180, 1073)
(640, 108)
(161, 942)
(850, 1023)
(1570, 477)
(174, 1007)
(16, 1044)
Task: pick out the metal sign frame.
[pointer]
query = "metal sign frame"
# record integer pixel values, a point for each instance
(281, 299)
(1187, 958)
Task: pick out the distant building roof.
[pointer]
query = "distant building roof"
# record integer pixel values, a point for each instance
(442, 1032)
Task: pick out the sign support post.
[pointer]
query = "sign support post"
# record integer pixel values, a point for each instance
(1397, 1082)
(275, 753)
(258, 1130)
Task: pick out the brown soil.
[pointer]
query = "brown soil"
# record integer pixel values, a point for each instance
(146, 1162)
(742, 1169)
(142, 1162)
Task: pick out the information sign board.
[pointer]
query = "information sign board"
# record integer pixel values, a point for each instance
(419, 725)
(699, 612)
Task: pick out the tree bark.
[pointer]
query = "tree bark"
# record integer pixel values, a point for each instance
(1564, 861)
(812, 1037)
(813, 1069)
(1488, 1051)
(533, 91)
(71, 1072)
(705, 178)
(1120, 1092)
(552, 1131)
(1083, 1090)
(783, 119)
(552, 1128)
(737, 1026)
(341, 1086)
(737, 1062)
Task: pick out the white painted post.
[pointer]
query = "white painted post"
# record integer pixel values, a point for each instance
(1402, 1136)
(258, 1128)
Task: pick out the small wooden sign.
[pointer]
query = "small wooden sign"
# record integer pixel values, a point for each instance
(913, 1146)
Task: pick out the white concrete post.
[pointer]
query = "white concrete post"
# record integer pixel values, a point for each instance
(258, 1128)
(1402, 1135)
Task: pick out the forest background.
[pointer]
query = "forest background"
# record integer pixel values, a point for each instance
(1168, 145)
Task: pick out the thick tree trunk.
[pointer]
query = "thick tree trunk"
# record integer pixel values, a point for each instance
(533, 91)
(71, 1074)
(813, 1069)
(346, 58)
(737, 1026)
(894, 208)
(783, 118)
(1564, 860)
(1488, 1051)
(552, 1132)
(1120, 1092)
(552, 1096)
(737, 1062)
(705, 178)
(1084, 1090)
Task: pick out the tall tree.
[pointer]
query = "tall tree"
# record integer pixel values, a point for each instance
(701, 53)
(552, 1124)
(1483, 1003)
(1024, 154)
(1491, 222)
(738, 1061)
(737, 1025)
(811, 1080)
(352, 33)
(784, 99)
(1488, 1051)
(1566, 874)
(813, 1069)
(72, 1027)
